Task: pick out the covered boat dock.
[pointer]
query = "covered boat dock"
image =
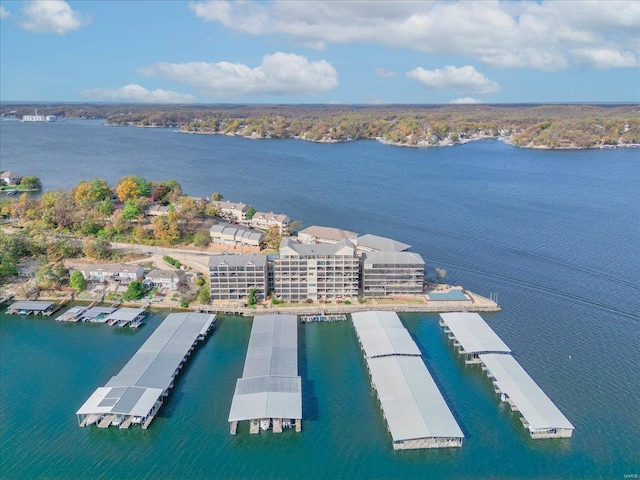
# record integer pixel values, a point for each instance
(97, 314)
(269, 394)
(137, 392)
(516, 388)
(31, 307)
(72, 315)
(416, 413)
(471, 335)
(124, 316)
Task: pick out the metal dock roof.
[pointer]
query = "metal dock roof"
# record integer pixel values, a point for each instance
(382, 333)
(473, 333)
(536, 408)
(139, 385)
(126, 313)
(412, 403)
(270, 386)
(34, 306)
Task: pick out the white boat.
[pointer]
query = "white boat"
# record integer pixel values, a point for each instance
(39, 118)
(265, 423)
(118, 420)
(93, 418)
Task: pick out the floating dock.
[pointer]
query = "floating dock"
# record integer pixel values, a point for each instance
(135, 395)
(32, 307)
(479, 344)
(269, 394)
(416, 413)
(339, 317)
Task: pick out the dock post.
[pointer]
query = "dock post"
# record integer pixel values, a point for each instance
(234, 427)
(298, 425)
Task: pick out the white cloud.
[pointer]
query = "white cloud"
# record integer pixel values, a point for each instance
(605, 58)
(464, 80)
(278, 74)
(137, 94)
(465, 101)
(4, 13)
(547, 35)
(384, 73)
(51, 16)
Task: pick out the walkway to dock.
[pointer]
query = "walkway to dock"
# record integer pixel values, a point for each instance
(479, 344)
(416, 413)
(137, 392)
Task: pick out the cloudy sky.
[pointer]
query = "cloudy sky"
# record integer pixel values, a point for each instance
(320, 51)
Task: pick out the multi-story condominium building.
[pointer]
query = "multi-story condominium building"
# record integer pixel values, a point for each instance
(390, 274)
(236, 235)
(373, 243)
(234, 212)
(233, 276)
(264, 221)
(328, 235)
(316, 272)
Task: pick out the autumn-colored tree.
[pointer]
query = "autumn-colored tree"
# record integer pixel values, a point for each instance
(216, 196)
(83, 193)
(165, 229)
(127, 189)
(97, 248)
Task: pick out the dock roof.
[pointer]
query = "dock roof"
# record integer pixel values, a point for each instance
(35, 306)
(94, 312)
(126, 313)
(270, 386)
(413, 405)
(473, 333)
(382, 333)
(534, 405)
(150, 371)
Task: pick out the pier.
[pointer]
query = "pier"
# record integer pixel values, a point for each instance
(416, 413)
(125, 316)
(72, 315)
(479, 344)
(135, 395)
(97, 314)
(269, 394)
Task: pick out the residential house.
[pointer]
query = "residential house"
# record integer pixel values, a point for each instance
(234, 212)
(264, 221)
(119, 272)
(10, 178)
(169, 279)
(324, 235)
(236, 235)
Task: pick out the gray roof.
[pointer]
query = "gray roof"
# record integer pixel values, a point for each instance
(289, 247)
(150, 371)
(93, 312)
(473, 333)
(393, 258)
(329, 233)
(382, 244)
(382, 334)
(537, 409)
(240, 231)
(237, 260)
(32, 305)
(126, 313)
(413, 406)
(270, 386)
(158, 273)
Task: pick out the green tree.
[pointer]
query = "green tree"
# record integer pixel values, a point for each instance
(143, 186)
(105, 207)
(77, 281)
(252, 297)
(216, 196)
(131, 210)
(31, 183)
(52, 274)
(250, 212)
(135, 291)
(204, 294)
(97, 248)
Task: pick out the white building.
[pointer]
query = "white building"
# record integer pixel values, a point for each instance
(324, 235)
(231, 277)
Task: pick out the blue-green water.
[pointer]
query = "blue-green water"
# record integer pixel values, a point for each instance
(555, 233)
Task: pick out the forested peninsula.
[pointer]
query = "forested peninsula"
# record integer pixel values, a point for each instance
(528, 126)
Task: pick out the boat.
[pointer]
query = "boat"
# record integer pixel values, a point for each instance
(39, 118)
(118, 420)
(11, 192)
(93, 418)
(265, 423)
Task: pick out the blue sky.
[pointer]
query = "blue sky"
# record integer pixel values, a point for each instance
(320, 51)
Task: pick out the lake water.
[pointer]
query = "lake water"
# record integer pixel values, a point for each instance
(555, 233)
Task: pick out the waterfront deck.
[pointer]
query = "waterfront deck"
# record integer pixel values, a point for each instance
(416, 413)
(270, 390)
(516, 388)
(135, 395)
